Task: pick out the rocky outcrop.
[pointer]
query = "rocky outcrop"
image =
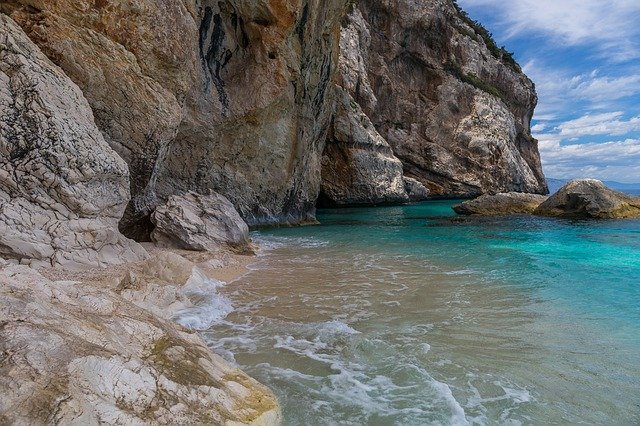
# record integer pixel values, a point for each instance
(358, 166)
(454, 108)
(416, 191)
(232, 96)
(72, 353)
(501, 204)
(62, 188)
(589, 198)
(200, 222)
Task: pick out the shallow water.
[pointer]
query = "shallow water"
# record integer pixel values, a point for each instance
(409, 316)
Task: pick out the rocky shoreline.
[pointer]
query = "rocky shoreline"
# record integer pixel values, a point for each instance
(102, 346)
(140, 139)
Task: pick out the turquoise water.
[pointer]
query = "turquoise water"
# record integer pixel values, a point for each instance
(409, 315)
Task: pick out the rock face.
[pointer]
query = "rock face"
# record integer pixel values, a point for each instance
(71, 353)
(415, 190)
(358, 166)
(501, 204)
(454, 108)
(200, 222)
(232, 96)
(62, 188)
(589, 198)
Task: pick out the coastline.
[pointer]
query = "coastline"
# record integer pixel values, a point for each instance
(134, 311)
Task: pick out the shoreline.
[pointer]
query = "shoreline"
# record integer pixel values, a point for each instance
(143, 300)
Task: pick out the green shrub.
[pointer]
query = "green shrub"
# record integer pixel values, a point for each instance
(500, 53)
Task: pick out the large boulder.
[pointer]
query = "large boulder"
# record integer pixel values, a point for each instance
(232, 96)
(415, 189)
(501, 204)
(589, 198)
(455, 108)
(73, 353)
(62, 188)
(200, 222)
(358, 166)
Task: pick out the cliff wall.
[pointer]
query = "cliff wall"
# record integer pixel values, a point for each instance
(455, 108)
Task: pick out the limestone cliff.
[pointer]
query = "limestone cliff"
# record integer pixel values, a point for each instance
(62, 189)
(232, 96)
(454, 107)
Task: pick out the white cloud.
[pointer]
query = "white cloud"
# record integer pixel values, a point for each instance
(560, 90)
(607, 89)
(538, 127)
(611, 26)
(609, 123)
(615, 160)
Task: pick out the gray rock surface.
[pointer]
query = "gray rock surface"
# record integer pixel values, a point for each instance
(589, 198)
(233, 96)
(62, 188)
(73, 353)
(501, 204)
(358, 166)
(415, 190)
(455, 109)
(200, 222)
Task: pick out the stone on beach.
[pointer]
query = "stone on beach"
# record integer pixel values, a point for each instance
(201, 223)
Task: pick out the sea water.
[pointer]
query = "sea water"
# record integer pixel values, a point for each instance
(411, 316)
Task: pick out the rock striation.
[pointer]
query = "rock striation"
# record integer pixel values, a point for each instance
(589, 198)
(233, 96)
(73, 353)
(200, 222)
(454, 108)
(358, 166)
(501, 204)
(416, 191)
(62, 188)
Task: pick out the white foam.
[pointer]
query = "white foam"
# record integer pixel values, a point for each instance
(209, 306)
(268, 243)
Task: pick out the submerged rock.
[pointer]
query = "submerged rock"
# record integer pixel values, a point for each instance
(72, 353)
(200, 222)
(590, 198)
(62, 188)
(501, 204)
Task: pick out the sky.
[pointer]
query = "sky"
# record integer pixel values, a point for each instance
(584, 57)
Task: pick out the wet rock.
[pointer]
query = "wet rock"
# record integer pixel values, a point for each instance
(501, 204)
(62, 188)
(589, 198)
(200, 222)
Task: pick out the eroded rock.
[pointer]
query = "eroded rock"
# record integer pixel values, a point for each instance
(71, 353)
(454, 108)
(415, 189)
(501, 204)
(358, 166)
(62, 188)
(589, 198)
(200, 222)
(232, 96)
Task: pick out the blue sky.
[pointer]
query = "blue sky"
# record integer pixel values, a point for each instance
(584, 56)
